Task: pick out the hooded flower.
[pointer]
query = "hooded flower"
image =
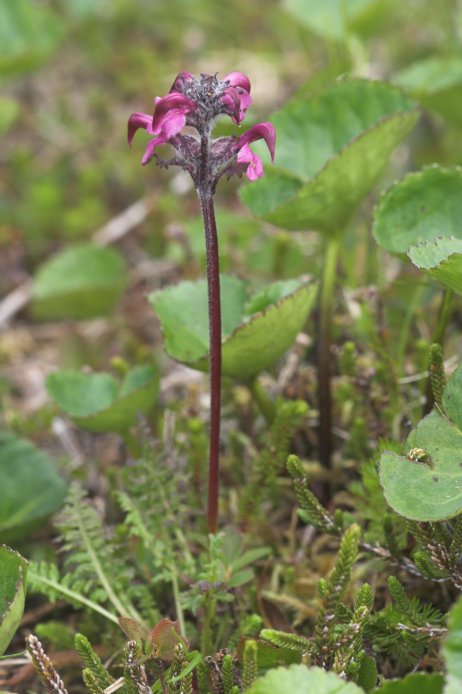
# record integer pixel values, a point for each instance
(197, 103)
(261, 131)
(237, 96)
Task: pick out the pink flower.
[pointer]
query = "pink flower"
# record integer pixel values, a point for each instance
(180, 80)
(261, 131)
(170, 114)
(197, 103)
(169, 118)
(237, 96)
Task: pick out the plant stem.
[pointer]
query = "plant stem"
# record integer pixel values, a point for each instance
(438, 336)
(177, 599)
(324, 344)
(443, 317)
(264, 403)
(213, 286)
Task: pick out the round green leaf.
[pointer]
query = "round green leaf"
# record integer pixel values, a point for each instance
(13, 573)
(251, 341)
(31, 487)
(420, 207)
(442, 259)
(437, 83)
(417, 682)
(182, 311)
(303, 680)
(80, 282)
(330, 152)
(452, 650)
(98, 402)
(426, 485)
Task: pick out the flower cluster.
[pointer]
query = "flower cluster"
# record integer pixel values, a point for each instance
(197, 103)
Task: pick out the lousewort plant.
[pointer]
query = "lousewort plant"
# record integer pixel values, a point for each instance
(198, 102)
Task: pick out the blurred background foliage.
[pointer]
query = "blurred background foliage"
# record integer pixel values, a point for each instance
(73, 70)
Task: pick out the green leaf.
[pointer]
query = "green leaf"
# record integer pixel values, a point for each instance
(330, 152)
(299, 678)
(13, 574)
(333, 19)
(416, 682)
(28, 34)
(82, 281)
(98, 402)
(421, 207)
(427, 484)
(367, 675)
(437, 83)
(251, 343)
(452, 650)
(442, 259)
(31, 488)
(182, 311)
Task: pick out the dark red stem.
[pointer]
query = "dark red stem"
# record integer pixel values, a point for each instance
(213, 286)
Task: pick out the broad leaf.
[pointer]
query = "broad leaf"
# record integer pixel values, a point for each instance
(31, 489)
(416, 682)
(13, 573)
(330, 152)
(437, 83)
(427, 484)
(334, 19)
(442, 259)
(254, 335)
(452, 650)
(300, 678)
(98, 402)
(421, 207)
(82, 281)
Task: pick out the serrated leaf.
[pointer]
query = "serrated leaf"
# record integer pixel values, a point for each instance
(98, 402)
(452, 650)
(421, 207)
(250, 344)
(437, 83)
(82, 281)
(416, 682)
(442, 259)
(13, 575)
(429, 487)
(331, 150)
(299, 678)
(31, 487)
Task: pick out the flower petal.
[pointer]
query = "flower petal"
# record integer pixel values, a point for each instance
(231, 100)
(237, 101)
(149, 151)
(255, 166)
(179, 81)
(238, 79)
(136, 121)
(261, 131)
(170, 114)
